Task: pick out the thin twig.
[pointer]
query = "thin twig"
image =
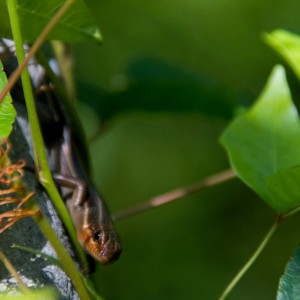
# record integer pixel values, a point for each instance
(13, 272)
(39, 152)
(176, 194)
(252, 259)
(35, 47)
(40, 158)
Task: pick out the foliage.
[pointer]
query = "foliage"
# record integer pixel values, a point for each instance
(260, 148)
(40, 151)
(77, 26)
(262, 144)
(289, 283)
(37, 294)
(7, 111)
(287, 44)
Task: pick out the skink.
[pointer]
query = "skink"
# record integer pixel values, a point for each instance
(89, 213)
(94, 227)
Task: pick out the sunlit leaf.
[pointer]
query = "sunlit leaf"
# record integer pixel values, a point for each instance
(289, 285)
(265, 141)
(77, 25)
(287, 45)
(36, 294)
(7, 111)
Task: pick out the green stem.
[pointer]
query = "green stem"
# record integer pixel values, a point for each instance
(291, 213)
(13, 272)
(40, 157)
(42, 164)
(252, 259)
(50, 259)
(36, 45)
(64, 257)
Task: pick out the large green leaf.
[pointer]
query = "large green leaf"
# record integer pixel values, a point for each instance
(263, 144)
(7, 111)
(76, 26)
(289, 285)
(284, 189)
(287, 45)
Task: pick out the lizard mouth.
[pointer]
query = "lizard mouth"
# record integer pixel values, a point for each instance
(103, 245)
(110, 251)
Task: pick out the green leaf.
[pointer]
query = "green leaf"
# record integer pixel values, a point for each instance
(32, 294)
(289, 285)
(7, 110)
(263, 145)
(284, 189)
(287, 45)
(76, 26)
(50, 259)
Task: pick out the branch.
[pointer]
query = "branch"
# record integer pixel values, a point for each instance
(252, 259)
(35, 47)
(13, 272)
(176, 194)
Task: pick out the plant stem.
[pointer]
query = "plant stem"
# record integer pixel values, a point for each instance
(176, 194)
(64, 257)
(36, 45)
(50, 259)
(252, 259)
(40, 157)
(291, 212)
(13, 272)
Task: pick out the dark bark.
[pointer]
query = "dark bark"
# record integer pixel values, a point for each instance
(33, 270)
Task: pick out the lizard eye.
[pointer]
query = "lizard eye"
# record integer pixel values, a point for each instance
(97, 235)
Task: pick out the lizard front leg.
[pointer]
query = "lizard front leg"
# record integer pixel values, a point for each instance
(79, 187)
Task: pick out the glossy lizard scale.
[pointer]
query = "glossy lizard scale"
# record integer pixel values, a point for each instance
(89, 213)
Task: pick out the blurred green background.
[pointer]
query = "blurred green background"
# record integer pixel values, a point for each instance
(163, 86)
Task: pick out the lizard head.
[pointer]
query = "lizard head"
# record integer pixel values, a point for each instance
(103, 244)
